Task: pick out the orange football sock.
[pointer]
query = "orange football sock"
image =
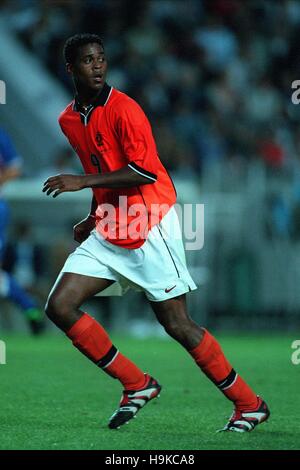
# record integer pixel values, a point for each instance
(212, 361)
(91, 339)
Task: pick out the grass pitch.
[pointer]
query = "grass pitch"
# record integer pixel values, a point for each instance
(54, 398)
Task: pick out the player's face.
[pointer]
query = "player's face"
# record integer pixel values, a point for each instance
(89, 70)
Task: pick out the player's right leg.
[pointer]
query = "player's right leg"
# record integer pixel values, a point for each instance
(68, 294)
(91, 339)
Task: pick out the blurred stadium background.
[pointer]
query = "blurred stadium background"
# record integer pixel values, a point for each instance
(215, 79)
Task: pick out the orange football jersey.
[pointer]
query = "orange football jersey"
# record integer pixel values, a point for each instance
(112, 133)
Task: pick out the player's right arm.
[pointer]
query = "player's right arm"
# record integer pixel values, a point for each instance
(83, 229)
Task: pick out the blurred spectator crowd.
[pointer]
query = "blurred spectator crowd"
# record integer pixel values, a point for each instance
(216, 74)
(214, 77)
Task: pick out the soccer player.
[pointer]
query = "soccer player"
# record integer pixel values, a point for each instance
(127, 241)
(10, 168)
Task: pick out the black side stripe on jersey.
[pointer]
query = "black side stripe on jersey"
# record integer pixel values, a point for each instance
(108, 358)
(229, 381)
(146, 228)
(170, 178)
(171, 182)
(142, 171)
(168, 251)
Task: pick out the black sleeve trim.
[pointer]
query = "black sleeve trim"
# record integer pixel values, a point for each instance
(142, 171)
(94, 205)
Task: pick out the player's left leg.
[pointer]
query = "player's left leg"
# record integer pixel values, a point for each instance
(250, 410)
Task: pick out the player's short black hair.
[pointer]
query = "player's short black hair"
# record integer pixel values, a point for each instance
(73, 43)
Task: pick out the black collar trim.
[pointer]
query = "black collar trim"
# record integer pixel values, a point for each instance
(100, 101)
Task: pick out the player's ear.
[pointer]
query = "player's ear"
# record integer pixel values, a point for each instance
(69, 67)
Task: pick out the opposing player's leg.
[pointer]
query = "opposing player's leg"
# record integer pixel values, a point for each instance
(250, 409)
(9, 287)
(11, 290)
(91, 339)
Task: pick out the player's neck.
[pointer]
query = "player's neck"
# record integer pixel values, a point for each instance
(87, 97)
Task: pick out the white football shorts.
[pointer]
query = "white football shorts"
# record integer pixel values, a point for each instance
(158, 267)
